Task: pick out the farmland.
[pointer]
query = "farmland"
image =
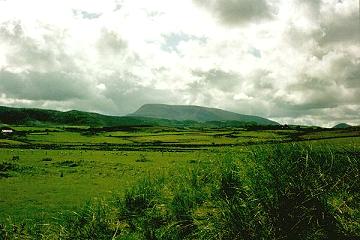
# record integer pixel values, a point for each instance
(165, 182)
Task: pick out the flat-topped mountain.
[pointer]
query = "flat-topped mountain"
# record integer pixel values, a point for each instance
(342, 125)
(196, 113)
(147, 115)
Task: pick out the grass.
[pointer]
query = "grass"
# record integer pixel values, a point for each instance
(306, 190)
(41, 191)
(279, 192)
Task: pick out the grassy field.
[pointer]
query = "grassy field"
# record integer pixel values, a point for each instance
(64, 182)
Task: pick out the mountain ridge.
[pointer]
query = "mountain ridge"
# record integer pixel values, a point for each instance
(196, 113)
(342, 126)
(35, 116)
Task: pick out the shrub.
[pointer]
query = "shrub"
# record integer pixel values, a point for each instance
(69, 163)
(142, 158)
(6, 167)
(93, 221)
(140, 197)
(293, 184)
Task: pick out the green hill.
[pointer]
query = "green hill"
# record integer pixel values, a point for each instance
(36, 117)
(342, 125)
(33, 116)
(212, 118)
(196, 113)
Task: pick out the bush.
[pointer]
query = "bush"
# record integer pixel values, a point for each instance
(142, 158)
(293, 184)
(140, 197)
(141, 210)
(69, 163)
(93, 221)
(6, 167)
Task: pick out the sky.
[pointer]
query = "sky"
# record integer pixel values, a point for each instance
(293, 61)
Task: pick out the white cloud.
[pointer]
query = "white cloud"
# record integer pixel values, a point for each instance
(294, 61)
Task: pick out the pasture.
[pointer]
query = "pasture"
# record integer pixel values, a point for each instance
(169, 183)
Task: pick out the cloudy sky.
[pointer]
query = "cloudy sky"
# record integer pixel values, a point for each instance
(294, 61)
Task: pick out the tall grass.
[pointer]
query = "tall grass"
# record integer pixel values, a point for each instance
(296, 184)
(277, 192)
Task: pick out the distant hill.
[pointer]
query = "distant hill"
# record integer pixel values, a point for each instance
(33, 116)
(217, 118)
(196, 113)
(342, 125)
(43, 117)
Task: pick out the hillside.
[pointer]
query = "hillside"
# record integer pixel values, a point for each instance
(196, 117)
(196, 113)
(33, 116)
(342, 125)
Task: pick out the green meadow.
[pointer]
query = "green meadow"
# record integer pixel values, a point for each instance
(71, 182)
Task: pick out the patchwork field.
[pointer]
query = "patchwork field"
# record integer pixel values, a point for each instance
(168, 183)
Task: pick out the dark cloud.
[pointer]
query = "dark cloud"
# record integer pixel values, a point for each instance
(325, 117)
(329, 88)
(110, 43)
(198, 94)
(26, 52)
(262, 80)
(333, 26)
(39, 70)
(311, 100)
(327, 28)
(125, 92)
(234, 12)
(219, 79)
(311, 8)
(341, 29)
(345, 70)
(304, 66)
(53, 86)
(322, 92)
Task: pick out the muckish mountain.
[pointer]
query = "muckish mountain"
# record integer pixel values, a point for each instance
(196, 113)
(147, 115)
(342, 126)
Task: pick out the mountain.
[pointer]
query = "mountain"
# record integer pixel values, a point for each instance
(147, 115)
(196, 113)
(33, 116)
(342, 125)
